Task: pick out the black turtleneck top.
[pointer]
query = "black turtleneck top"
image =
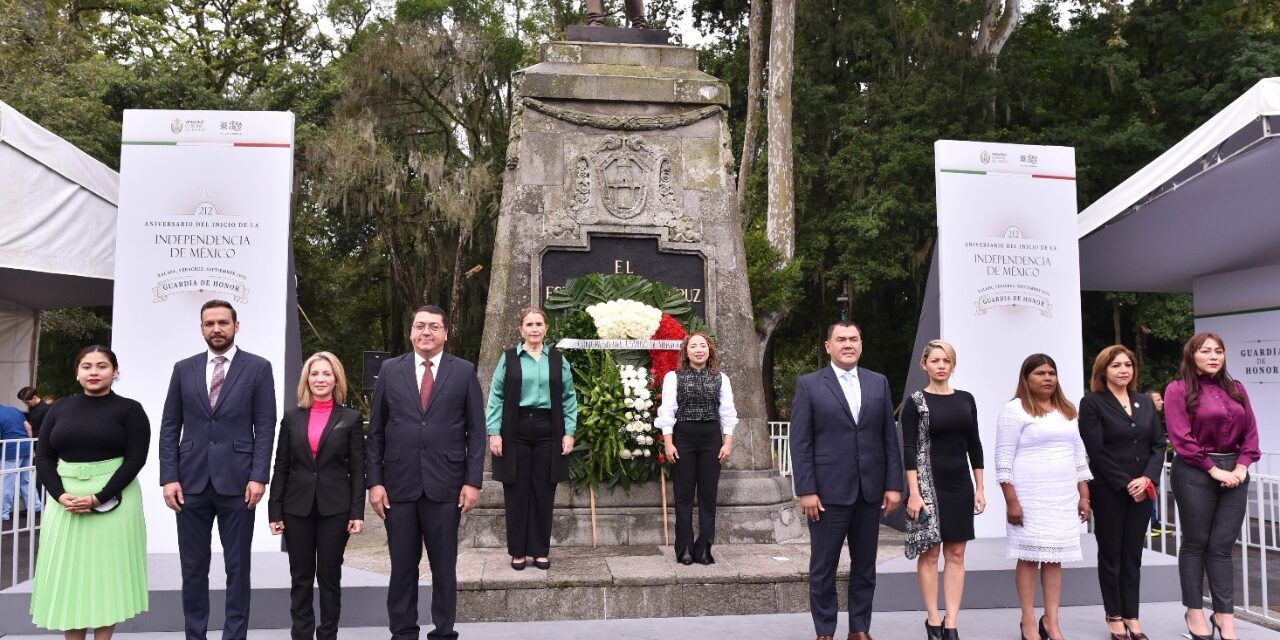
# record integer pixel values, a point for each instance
(85, 428)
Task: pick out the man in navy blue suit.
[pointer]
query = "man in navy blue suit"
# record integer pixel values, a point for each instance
(424, 464)
(215, 461)
(847, 467)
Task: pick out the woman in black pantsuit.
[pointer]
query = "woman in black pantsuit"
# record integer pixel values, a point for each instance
(1122, 436)
(531, 418)
(697, 418)
(317, 492)
(948, 425)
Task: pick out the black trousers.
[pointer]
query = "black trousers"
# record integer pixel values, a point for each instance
(530, 499)
(315, 544)
(696, 472)
(195, 534)
(1210, 517)
(1120, 527)
(858, 523)
(409, 526)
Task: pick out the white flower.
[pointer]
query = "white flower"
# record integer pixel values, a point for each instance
(637, 453)
(624, 319)
(646, 440)
(645, 415)
(644, 394)
(642, 371)
(628, 415)
(647, 453)
(624, 454)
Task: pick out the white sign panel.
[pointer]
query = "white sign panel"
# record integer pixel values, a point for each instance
(1009, 277)
(204, 214)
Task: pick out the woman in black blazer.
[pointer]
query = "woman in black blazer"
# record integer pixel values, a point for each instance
(1125, 443)
(317, 492)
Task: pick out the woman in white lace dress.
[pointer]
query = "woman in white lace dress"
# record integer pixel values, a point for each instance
(1043, 470)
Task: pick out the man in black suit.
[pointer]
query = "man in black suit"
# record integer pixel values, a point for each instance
(215, 462)
(425, 458)
(847, 467)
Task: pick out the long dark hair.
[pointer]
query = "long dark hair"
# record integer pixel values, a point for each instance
(1191, 375)
(97, 348)
(1060, 401)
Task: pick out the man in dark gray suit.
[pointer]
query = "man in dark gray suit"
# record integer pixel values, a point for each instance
(215, 461)
(847, 467)
(424, 462)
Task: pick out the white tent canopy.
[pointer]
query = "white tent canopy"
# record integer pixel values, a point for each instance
(1205, 206)
(57, 238)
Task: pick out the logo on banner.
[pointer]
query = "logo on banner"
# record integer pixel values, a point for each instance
(988, 157)
(176, 125)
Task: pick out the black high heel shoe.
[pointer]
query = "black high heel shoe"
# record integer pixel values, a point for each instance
(1117, 636)
(1215, 629)
(1044, 634)
(1134, 635)
(932, 632)
(1186, 617)
(1020, 632)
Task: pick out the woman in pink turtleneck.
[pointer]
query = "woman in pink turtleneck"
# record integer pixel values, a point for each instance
(317, 492)
(1213, 430)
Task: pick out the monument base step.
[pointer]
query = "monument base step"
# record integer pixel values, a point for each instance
(647, 582)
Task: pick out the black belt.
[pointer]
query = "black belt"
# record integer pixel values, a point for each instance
(536, 414)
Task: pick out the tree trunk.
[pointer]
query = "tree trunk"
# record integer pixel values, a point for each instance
(782, 207)
(781, 224)
(1115, 322)
(996, 28)
(755, 70)
(455, 292)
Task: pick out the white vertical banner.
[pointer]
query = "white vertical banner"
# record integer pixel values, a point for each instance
(1009, 277)
(204, 214)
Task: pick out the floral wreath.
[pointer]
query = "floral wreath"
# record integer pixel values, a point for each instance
(618, 390)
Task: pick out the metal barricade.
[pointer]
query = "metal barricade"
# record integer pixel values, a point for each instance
(780, 439)
(19, 532)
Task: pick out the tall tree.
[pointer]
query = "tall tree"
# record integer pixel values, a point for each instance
(755, 72)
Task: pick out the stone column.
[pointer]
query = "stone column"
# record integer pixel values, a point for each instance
(632, 141)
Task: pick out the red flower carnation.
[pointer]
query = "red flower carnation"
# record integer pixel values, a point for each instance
(662, 361)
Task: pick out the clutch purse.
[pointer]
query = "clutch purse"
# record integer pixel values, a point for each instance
(108, 505)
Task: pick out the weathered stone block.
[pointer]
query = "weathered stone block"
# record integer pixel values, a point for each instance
(659, 601)
(578, 603)
(728, 599)
(700, 159)
(544, 164)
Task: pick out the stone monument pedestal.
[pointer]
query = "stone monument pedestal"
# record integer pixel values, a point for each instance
(620, 161)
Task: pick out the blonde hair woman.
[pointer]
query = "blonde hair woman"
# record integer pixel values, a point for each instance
(317, 492)
(940, 445)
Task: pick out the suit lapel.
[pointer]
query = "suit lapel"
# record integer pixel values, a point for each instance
(864, 385)
(229, 380)
(445, 370)
(198, 365)
(328, 428)
(833, 385)
(301, 425)
(411, 376)
(1116, 405)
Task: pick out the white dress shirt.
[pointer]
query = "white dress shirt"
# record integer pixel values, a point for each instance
(226, 366)
(418, 369)
(852, 388)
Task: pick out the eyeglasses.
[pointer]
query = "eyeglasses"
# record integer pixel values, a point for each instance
(434, 327)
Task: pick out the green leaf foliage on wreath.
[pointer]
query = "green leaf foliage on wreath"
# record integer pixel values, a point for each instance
(580, 293)
(601, 413)
(601, 434)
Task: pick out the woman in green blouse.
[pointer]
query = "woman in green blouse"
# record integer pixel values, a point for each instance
(532, 407)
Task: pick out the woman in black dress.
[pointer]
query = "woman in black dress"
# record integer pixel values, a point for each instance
(1122, 436)
(940, 444)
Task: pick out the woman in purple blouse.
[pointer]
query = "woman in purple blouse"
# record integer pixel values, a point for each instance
(1212, 429)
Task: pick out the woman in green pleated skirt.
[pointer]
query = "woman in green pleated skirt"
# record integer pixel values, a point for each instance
(91, 568)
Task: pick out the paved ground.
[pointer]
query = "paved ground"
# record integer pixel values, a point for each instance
(1163, 622)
